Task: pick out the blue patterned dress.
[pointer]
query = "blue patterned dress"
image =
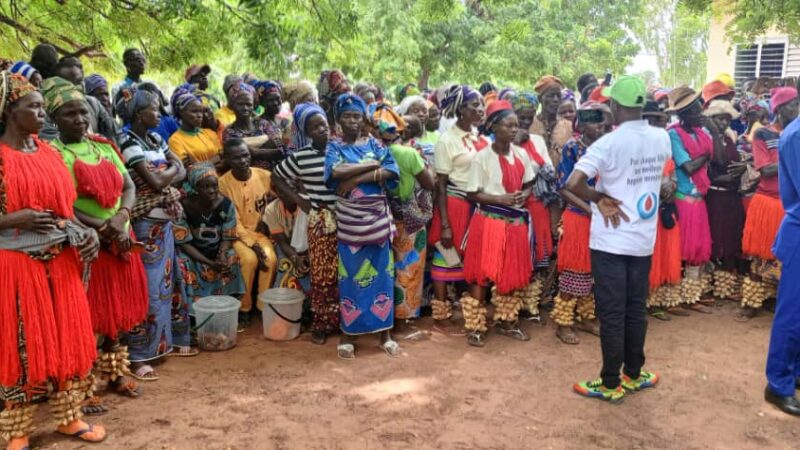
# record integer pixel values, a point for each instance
(366, 273)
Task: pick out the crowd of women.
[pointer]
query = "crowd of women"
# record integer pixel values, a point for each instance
(119, 208)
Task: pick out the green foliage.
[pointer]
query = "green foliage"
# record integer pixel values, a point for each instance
(431, 42)
(751, 18)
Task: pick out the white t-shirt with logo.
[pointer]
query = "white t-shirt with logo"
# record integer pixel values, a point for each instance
(628, 162)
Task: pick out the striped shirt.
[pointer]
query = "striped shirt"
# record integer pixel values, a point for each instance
(308, 166)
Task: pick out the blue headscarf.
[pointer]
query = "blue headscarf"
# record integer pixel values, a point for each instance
(264, 87)
(350, 102)
(24, 69)
(183, 96)
(302, 113)
(93, 82)
(522, 100)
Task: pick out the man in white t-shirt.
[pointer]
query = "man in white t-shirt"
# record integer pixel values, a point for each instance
(629, 162)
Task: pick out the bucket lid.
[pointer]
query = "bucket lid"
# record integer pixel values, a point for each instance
(217, 303)
(281, 296)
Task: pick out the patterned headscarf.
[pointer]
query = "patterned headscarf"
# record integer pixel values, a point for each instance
(387, 120)
(331, 84)
(58, 91)
(547, 82)
(349, 102)
(456, 96)
(302, 113)
(230, 81)
(567, 95)
(504, 92)
(239, 88)
(266, 87)
(404, 106)
(296, 91)
(24, 69)
(93, 82)
(521, 100)
(132, 100)
(183, 96)
(12, 88)
(199, 171)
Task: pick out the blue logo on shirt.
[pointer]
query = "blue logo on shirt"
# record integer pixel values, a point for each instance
(647, 205)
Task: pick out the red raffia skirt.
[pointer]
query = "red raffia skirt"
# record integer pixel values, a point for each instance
(498, 250)
(573, 248)
(46, 302)
(666, 261)
(761, 226)
(695, 231)
(540, 216)
(459, 211)
(118, 296)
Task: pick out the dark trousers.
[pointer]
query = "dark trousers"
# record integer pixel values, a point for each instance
(621, 285)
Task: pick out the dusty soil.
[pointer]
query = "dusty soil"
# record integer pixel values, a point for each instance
(443, 394)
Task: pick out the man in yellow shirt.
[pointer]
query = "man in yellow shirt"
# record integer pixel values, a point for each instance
(248, 187)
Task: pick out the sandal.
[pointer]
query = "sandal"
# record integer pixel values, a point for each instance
(476, 339)
(512, 330)
(567, 335)
(318, 337)
(85, 434)
(391, 348)
(678, 311)
(745, 314)
(126, 387)
(346, 351)
(182, 351)
(589, 326)
(702, 309)
(145, 373)
(93, 406)
(660, 314)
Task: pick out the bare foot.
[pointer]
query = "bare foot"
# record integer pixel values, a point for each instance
(83, 431)
(590, 326)
(745, 313)
(567, 335)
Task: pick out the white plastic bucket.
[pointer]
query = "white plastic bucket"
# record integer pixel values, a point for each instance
(217, 318)
(281, 314)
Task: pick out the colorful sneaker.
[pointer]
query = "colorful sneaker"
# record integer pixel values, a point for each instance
(595, 389)
(646, 380)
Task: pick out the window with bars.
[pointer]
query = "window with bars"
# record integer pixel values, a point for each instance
(760, 60)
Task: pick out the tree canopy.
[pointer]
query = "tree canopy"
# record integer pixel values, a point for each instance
(429, 42)
(752, 18)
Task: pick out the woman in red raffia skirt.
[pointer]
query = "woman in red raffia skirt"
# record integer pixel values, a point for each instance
(498, 247)
(117, 289)
(46, 342)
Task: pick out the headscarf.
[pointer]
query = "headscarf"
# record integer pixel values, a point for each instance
(94, 82)
(487, 87)
(349, 102)
(387, 120)
(199, 171)
(296, 91)
(231, 81)
(24, 69)
(404, 90)
(240, 87)
(499, 110)
(780, 96)
(567, 95)
(132, 100)
(404, 106)
(456, 96)
(302, 113)
(504, 93)
(521, 101)
(266, 87)
(12, 88)
(331, 84)
(547, 82)
(182, 97)
(58, 91)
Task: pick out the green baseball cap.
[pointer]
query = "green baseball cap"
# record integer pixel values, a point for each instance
(627, 91)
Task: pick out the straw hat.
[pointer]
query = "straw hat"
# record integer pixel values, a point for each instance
(719, 107)
(681, 97)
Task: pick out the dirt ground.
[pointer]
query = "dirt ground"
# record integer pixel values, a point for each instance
(443, 394)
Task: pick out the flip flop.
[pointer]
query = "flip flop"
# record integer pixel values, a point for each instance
(81, 434)
(179, 351)
(93, 406)
(346, 351)
(145, 373)
(391, 348)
